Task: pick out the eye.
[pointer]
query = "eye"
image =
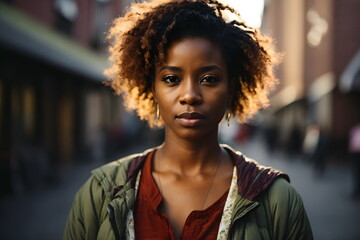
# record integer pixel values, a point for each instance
(209, 79)
(171, 79)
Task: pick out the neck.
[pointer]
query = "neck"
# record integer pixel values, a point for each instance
(189, 155)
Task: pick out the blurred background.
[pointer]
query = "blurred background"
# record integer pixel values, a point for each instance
(58, 120)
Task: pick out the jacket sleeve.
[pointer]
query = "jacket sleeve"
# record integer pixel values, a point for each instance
(290, 220)
(86, 212)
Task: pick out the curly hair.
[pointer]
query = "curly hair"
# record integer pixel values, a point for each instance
(140, 39)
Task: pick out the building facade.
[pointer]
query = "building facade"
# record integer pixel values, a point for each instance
(320, 42)
(54, 108)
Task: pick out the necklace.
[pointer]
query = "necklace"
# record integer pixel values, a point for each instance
(216, 168)
(211, 183)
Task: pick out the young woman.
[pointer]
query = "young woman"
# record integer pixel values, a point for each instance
(180, 65)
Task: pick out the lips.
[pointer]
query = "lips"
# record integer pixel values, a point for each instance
(190, 119)
(191, 115)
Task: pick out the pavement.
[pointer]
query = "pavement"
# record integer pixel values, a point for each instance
(41, 213)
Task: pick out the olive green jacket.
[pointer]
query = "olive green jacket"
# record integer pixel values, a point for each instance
(266, 207)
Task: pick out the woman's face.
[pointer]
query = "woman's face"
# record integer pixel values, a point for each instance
(191, 88)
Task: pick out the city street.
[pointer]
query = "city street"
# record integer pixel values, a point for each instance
(327, 199)
(41, 214)
(77, 91)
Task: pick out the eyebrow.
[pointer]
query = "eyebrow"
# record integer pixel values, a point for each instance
(209, 68)
(177, 69)
(201, 69)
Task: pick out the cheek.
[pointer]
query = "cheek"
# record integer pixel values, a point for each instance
(163, 98)
(225, 99)
(165, 102)
(220, 96)
(158, 92)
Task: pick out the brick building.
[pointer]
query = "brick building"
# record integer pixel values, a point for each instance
(320, 73)
(54, 108)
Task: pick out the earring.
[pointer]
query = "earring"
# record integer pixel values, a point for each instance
(227, 118)
(157, 112)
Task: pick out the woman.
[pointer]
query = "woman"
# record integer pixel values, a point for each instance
(181, 66)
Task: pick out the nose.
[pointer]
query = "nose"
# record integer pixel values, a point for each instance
(190, 93)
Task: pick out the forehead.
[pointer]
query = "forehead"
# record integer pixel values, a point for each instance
(194, 49)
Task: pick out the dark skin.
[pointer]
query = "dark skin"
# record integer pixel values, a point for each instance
(191, 169)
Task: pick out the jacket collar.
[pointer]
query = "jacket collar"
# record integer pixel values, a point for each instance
(253, 178)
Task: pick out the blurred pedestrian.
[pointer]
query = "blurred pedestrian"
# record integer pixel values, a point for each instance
(354, 151)
(316, 147)
(180, 65)
(270, 132)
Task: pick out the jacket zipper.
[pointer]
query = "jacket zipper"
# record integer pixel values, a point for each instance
(113, 222)
(249, 208)
(243, 213)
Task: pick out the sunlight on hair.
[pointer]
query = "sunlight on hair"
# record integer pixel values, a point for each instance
(251, 11)
(138, 40)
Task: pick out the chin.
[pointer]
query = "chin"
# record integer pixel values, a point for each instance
(196, 134)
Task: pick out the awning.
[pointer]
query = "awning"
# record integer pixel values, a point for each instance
(24, 34)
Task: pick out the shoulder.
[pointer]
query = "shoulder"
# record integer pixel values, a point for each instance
(114, 173)
(253, 178)
(89, 207)
(281, 185)
(287, 211)
(282, 192)
(283, 199)
(104, 179)
(119, 172)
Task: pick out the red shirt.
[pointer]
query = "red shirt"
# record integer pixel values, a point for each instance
(150, 223)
